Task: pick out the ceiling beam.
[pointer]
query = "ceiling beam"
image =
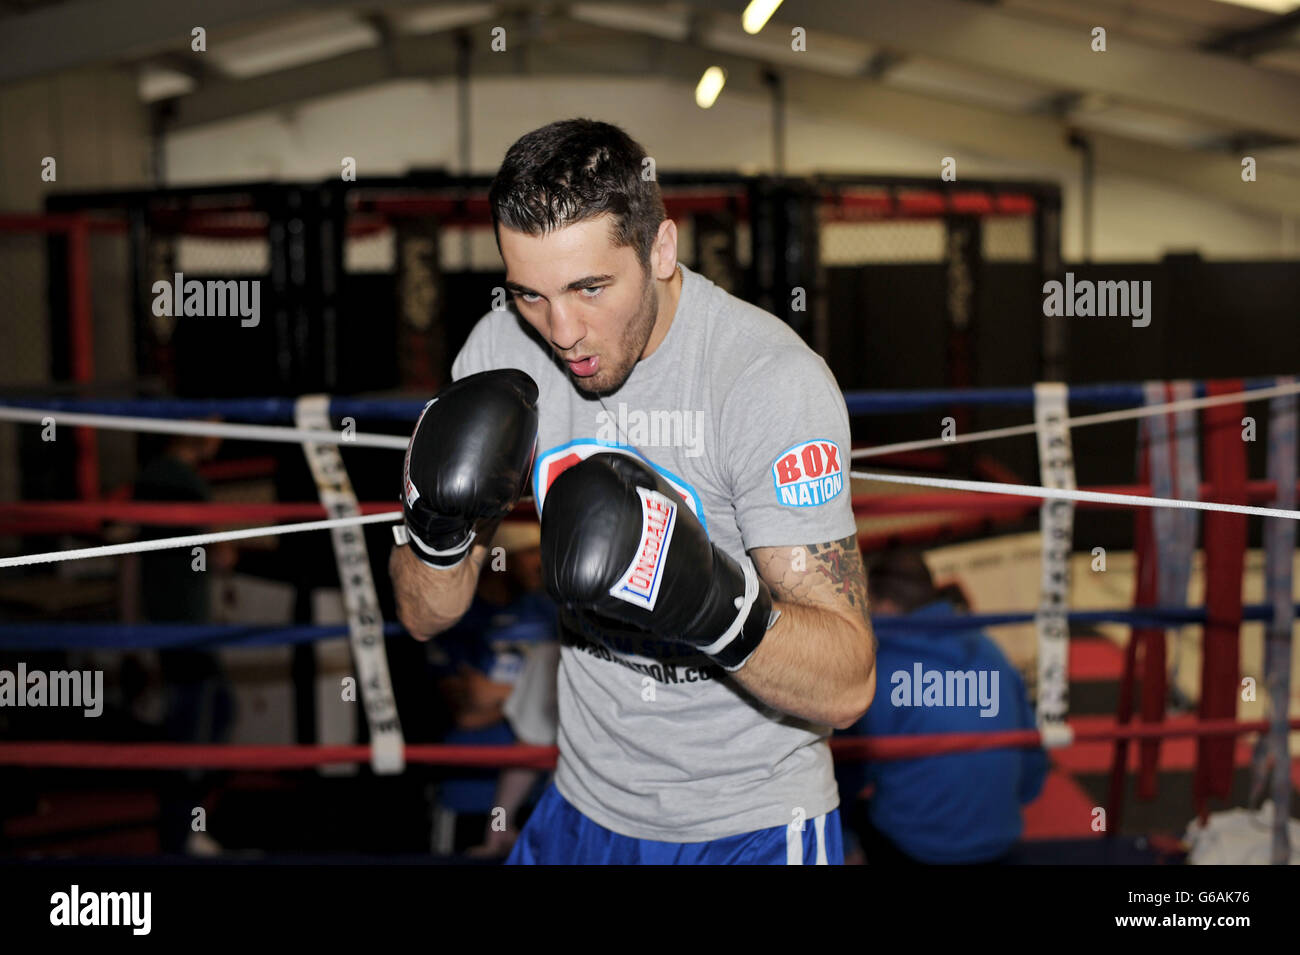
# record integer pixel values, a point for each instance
(603, 51)
(194, 65)
(1276, 33)
(83, 33)
(990, 133)
(428, 57)
(1215, 88)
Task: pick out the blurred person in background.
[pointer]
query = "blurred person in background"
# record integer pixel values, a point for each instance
(952, 809)
(496, 672)
(174, 587)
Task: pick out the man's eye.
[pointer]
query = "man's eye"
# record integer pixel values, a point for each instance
(528, 297)
(593, 291)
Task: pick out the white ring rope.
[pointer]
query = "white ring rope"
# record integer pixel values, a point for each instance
(1103, 417)
(1101, 497)
(981, 487)
(195, 540)
(298, 435)
(214, 429)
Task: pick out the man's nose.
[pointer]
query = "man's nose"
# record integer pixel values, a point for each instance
(566, 328)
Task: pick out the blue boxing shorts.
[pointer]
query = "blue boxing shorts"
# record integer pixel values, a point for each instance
(557, 834)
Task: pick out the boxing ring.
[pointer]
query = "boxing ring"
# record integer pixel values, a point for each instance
(1224, 494)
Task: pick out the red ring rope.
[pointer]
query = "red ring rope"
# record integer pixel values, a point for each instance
(42, 514)
(207, 756)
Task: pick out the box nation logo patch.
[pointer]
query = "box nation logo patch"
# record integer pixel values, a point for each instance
(808, 474)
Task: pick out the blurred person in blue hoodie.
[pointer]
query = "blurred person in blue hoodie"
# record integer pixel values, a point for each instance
(496, 671)
(962, 808)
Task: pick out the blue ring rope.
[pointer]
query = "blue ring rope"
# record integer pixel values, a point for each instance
(406, 410)
(97, 636)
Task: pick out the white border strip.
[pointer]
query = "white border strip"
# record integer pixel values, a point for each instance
(1056, 538)
(357, 586)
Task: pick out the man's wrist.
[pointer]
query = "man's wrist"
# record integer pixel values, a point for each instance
(439, 558)
(755, 617)
(445, 558)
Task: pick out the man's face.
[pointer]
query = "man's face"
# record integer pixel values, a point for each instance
(589, 299)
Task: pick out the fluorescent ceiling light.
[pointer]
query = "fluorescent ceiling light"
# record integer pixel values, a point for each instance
(668, 24)
(757, 14)
(304, 41)
(710, 85)
(156, 82)
(440, 18)
(1270, 6)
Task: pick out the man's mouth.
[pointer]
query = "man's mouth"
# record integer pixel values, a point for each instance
(585, 367)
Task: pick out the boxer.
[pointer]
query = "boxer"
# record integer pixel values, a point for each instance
(712, 595)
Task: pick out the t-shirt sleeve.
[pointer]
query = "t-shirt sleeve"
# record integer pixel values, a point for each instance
(476, 354)
(786, 444)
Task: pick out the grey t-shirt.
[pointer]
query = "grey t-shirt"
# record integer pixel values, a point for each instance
(749, 425)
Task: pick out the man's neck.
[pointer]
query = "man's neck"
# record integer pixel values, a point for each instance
(670, 295)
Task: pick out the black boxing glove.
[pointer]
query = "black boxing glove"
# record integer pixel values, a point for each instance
(618, 542)
(468, 461)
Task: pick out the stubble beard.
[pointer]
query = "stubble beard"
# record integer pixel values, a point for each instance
(635, 337)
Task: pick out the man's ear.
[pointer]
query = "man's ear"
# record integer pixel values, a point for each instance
(663, 255)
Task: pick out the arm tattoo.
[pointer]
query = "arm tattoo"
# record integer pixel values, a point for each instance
(819, 575)
(840, 563)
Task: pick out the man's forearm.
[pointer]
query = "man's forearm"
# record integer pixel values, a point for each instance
(814, 664)
(430, 600)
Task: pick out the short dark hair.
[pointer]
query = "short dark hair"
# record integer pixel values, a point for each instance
(900, 574)
(574, 170)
